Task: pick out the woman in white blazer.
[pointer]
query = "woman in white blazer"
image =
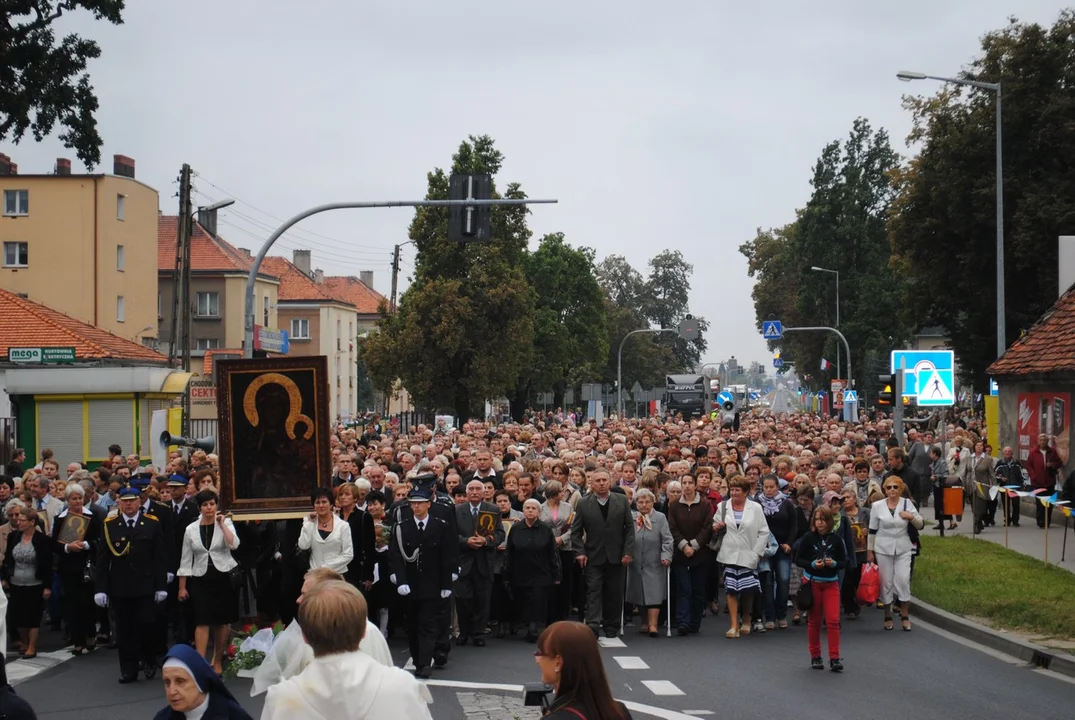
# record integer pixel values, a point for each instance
(746, 535)
(326, 536)
(203, 576)
(890, 547)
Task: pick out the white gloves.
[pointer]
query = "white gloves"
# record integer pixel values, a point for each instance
(171, 577)
(404, 590)
(160, 596)
(445, 594)
(455, 576)
(392, 577)
(101, 600)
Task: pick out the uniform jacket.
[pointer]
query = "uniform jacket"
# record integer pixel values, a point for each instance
(430, 572)
(604, 541)
(131, 563)
(188, 513)
(166, 519)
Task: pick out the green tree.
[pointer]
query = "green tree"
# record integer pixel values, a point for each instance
(666, 298)
(465, 325)
(43, 82)
(570, 335)
(943, 227)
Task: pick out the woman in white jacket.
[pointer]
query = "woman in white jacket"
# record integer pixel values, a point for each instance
(204, 565)
(326, 536)
(889, 545)
(746, 534)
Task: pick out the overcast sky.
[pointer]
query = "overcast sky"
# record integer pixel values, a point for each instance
(682, 126)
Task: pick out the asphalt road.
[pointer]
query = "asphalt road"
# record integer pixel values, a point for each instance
(781, 402)
(890, 676)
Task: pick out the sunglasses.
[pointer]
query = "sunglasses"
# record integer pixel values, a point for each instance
(892, 487)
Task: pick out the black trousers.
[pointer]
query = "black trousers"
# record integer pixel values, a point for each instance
(472, 604)
(849, 589)
(560, 599)
(1013, 509)
(78, 608)
(604, 595)
(135, 632)
(1042, 513)
(423, 626)
(180, 616)
(533, 603)
(443, 646)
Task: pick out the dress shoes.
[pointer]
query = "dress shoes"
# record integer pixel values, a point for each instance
(124, 679)
(479, 642)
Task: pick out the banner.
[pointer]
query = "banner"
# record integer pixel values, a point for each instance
(1044, 412)
(837, 387)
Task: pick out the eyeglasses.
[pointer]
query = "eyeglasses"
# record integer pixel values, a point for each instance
(892, 487)
(539, 653)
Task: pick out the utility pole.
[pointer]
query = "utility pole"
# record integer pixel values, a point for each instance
(183, 233)
(395, 276)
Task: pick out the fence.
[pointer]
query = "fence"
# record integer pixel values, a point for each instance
(412, 418)
(202, 428)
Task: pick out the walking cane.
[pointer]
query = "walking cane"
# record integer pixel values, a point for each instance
(1064, 548)
(623, 605)
(668, 595)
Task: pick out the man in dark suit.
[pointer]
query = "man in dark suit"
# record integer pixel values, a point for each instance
(421, 548)
(132, 576)
(477, 545)
(182, 513)
(604, 523)
(172, 545)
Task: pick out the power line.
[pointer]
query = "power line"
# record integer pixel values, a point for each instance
(299, 244)
(357, 261)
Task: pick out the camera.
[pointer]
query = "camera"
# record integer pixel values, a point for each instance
(536, 695)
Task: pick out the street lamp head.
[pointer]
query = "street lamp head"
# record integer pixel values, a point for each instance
(816, 268)
(219, 205)
(908, 75)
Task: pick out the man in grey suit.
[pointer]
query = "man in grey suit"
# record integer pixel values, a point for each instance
(603, 519)
(474, 588)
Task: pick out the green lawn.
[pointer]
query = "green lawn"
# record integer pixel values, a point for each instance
(984, 580)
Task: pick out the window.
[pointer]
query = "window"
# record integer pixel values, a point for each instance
(16, 254)
(121, 259)
(121, 207)
(121, 309)
(265, 305)
(300, 329)
(208, 304)
(207, 343)
(16, 202)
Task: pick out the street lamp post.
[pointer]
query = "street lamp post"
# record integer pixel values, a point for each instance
(907, 76)
(815, 268)
(619, 363)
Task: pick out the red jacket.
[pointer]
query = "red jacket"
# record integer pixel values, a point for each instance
(1042, 469)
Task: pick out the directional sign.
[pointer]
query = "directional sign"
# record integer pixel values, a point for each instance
(850, 396)
(777, 362)
(929, 376)
(689, 329)
(753, 396)
(725, 397)
(772, 329)
(994, 389)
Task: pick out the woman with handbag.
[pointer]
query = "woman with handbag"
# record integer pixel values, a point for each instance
(822, 555)
(745, 537)
(327, 537)
(210, 577)
(890, 547)
(75, 534)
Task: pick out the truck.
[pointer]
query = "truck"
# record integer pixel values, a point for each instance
(687, 394)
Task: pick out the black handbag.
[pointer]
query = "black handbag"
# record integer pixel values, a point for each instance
(235, 577)
(912, 533)
(804, 596)
(718, 538)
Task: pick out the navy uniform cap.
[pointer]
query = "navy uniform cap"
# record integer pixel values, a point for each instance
(419, 495)
(177, 481)
(129, 491)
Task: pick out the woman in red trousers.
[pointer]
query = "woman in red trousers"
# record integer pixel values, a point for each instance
(821, 556)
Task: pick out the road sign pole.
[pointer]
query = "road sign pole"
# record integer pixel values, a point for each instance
(619, 363)
(897, 406)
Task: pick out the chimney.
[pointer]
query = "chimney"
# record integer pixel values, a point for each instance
(5, 164)
(366, 276)
(301, 260)
(63, 166)
(12, 169)
(1066, 263)
(319, 276)
(123, 166)
(245, 251)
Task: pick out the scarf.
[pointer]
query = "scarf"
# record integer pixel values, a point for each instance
(643, 521)
(771, 505)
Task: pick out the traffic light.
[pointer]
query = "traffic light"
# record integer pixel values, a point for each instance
(888, 392)
(468, 223)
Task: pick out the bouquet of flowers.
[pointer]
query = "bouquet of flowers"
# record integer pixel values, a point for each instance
(247, 651)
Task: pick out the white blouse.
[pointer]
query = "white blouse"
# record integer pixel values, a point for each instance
(335, 551)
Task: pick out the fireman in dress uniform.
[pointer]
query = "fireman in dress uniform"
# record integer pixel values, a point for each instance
(132, 577)
(182, 512)
(422, 567)
(166, 519)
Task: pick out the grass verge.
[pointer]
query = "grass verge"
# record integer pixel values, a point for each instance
(985, 580)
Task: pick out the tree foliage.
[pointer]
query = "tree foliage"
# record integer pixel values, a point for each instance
(43, 82)
(943, 227)
(843, 228)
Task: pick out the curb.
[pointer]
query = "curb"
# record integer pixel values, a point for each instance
(1034, 655)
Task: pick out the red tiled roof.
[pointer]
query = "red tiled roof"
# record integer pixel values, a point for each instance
(356, 292)
(207, 253)
(296, 285)
(24, 323)
(1049, 345)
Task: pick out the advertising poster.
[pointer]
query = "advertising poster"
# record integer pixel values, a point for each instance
(837, 387)
(1044, 412)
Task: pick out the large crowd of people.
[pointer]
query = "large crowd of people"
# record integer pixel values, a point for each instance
(459, 536)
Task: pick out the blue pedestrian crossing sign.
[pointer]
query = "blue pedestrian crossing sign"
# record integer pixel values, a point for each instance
(777, 362)
(929, 376)
(850, 396)
(772, 330)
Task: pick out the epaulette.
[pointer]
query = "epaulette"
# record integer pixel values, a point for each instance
(110, 518)
(150, 516)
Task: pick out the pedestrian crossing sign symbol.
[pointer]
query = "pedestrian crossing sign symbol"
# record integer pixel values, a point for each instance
(929, 376)
(850, 396)
(934, 391)
(772, 329)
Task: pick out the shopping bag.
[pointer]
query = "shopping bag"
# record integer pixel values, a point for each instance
(869, 585)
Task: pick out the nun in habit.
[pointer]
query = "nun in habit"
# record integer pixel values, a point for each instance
(194, 691)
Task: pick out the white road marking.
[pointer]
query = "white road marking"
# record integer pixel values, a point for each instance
(631, 662)
(20, 669)
(662, 687)
(613, 642)
(698, 712)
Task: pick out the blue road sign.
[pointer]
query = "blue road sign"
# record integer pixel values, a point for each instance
(725, 397)
(929, 376)
(994, 389)
(777, 362)
(850, 396)
(772, 330)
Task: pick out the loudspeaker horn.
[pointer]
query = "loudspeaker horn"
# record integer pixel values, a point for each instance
(207, 443)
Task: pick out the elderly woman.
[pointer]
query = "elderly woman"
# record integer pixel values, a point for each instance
(75, 534)
(27, 576)
(531, 566)
(194, 691)
(890, 547)
(360, 570)
(746, 535)
(983, 476)
(557, 515)
(647, 575)
(12, 509)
